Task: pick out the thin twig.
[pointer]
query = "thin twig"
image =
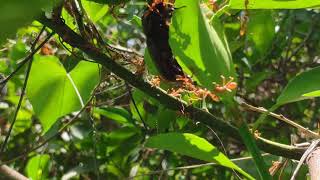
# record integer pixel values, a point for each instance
(111, 101)
(289, 40)
(303, 43)
(51, 137)
(24, 61)
(284, 165)
(22, 95)
(136, 107)
(33, 45)
(17, 109)
(94, 140)
(302, 129)
(313, 145)
(221, 143)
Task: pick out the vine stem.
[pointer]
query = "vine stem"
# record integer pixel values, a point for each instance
(45, 141)
(27, 58)
(30, 59)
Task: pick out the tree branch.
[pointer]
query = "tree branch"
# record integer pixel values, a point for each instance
(10, 173)
(281, 117)
(313, 162)
(173, 103)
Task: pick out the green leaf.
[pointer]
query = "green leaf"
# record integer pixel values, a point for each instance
(50, 89)
(16, 13)
(94, 10)
(18, 51)
(261, 30)
(299, 87)
(38, 167)
(274, 4)
(193, 146)
(120, 115)
(252, 147)
(119, 135)
(200, 45)
(164, 118)
(255, 79)
(312, 94)
(68, 19)
(137, 21)
(23, 121)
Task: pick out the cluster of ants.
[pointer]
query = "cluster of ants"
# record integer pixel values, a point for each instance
(187, 86)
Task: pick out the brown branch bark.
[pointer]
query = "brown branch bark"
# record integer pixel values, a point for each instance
(196, 114)
(8, 173)
(313, 162)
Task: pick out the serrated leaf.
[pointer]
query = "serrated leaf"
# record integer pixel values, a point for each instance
(299, 87)
(274, 4)
(51, 91)
(193, 146)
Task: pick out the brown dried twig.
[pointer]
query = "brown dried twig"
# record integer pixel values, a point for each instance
(281, 117)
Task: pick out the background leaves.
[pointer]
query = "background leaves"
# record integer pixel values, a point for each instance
(277, 57)
(15, 14)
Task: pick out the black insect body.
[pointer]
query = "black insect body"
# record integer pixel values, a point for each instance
(156, 21)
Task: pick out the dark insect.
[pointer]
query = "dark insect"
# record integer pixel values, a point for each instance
(156, 20)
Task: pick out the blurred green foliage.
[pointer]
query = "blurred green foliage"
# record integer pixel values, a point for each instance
(275, 63)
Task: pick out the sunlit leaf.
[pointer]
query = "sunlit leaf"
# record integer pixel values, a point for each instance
(38, 167)
(193, 146)
(200, 45)
(94, 10)
(51, 91)
(299, 87)
(137, 21)
(274, 4)
(312, 94)
(23, 121)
